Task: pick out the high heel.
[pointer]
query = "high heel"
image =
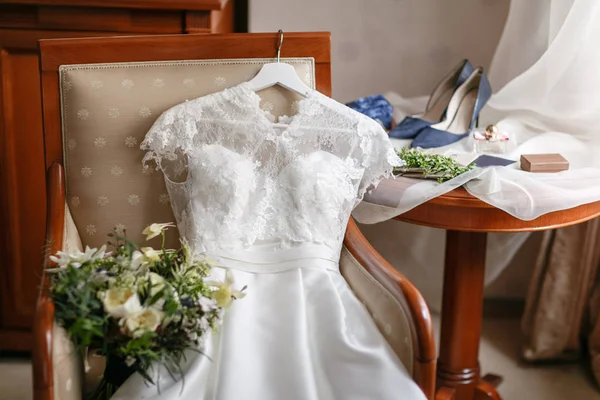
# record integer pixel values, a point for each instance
(462, 113)
(436, 107)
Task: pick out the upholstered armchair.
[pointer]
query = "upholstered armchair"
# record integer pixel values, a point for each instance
(100, 97)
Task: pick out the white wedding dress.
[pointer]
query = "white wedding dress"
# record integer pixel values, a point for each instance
(271, 204)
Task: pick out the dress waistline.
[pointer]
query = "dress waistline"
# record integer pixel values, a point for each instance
(260, 261)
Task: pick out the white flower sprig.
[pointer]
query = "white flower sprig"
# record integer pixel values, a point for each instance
(78, 258)
(225, 293)
(154, 230)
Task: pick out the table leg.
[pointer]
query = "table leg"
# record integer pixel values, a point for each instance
(458, 365)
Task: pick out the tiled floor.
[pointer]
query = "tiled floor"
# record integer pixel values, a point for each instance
(15, 379)
(499, 354)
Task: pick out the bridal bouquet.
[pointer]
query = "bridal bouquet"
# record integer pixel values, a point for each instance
(137, 306)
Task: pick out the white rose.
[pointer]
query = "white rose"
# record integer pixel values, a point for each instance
(121, 302)
(145, 320)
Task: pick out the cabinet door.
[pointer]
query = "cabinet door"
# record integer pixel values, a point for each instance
(22, 179)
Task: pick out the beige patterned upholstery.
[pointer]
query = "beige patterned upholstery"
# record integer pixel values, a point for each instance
(66, 362)
(67, 367)
(390, 316)
(106, 111)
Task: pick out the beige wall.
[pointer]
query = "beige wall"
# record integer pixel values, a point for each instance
(382, 45)
(514, 281)
(403, 46)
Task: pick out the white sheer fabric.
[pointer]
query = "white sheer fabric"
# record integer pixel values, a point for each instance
(547, 97)
(271, 204)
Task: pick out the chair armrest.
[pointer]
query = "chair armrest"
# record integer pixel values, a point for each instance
(403, 316)
(56, 365)
(43, 326)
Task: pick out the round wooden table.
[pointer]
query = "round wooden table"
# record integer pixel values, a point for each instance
(467, 221)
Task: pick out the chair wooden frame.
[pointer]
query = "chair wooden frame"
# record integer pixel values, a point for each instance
(177, 47)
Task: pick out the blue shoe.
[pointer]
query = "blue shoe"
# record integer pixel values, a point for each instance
(409, 127)
(461, 115)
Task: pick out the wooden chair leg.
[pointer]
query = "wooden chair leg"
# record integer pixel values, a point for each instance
(485, 391)
(445, 393)
(492, 379)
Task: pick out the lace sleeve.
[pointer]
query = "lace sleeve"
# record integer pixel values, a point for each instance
(171, 134)
(376, 154)
(171, 138)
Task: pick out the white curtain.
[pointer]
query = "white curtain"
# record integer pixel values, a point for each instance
(546, 80)
(547, 67)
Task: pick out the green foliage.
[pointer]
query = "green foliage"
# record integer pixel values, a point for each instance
(136, 305)
(430, 165)
(76, 305)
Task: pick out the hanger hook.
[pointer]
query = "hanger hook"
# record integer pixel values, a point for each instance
(279, 45)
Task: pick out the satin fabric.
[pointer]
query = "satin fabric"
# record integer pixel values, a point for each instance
(299, 334)
(409, 128)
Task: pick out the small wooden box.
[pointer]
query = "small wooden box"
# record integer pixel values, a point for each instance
(543, 163)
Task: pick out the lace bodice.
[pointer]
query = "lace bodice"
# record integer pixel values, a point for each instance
(250, 182)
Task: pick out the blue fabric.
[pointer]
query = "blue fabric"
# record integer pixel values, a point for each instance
(483, 95)
(466, 69)
(431, 137)
(376, 107)
(465, 73)
(409, 127)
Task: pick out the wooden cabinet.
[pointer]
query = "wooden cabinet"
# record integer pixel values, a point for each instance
(22, 175)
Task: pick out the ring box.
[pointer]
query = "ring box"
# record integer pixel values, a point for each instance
(544, 163)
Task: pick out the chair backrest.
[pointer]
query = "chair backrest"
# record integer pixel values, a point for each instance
(101, 96)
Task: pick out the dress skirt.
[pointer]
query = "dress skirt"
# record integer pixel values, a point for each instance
(299, 334)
